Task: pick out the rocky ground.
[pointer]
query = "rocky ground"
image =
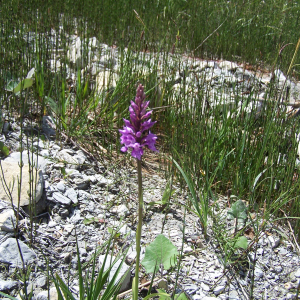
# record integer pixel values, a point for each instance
(81, 200)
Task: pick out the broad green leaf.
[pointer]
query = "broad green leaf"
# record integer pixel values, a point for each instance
(181, 296)
(160, 251)
(238, 210)
(241, 243)
(163, 294)
(24, 84)
(11, 85)
(4, 149)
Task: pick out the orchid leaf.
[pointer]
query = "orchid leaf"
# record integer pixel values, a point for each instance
(238, 211)
(11, 85)
(22, 85)
(241, 242)
(160, 252)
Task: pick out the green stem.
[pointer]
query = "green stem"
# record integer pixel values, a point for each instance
(138, 232)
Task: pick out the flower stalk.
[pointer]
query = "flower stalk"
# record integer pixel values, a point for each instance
(135, 136)
(139, 230)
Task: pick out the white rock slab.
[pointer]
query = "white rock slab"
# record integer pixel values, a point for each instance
(11, 174)
(9, 253)
(8, 220)
(37, 161)
(44, 295)
(6, 285)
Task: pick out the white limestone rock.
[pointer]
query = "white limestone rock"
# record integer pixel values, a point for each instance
(9, 253)
(11, 175)
(8, 220)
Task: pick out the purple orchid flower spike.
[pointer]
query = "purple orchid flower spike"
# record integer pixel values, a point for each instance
(135, 134)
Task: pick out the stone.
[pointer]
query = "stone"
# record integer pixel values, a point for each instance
(8, 220)
(280, 76)
(260, 251)
(115, 190)
(59, 166)
(74, 263)
(124, 230)
(278, 269)
(80, 157)
(11, 173)
(64, 212)
(9, 253)
(74, 53)
(126, 283)
(61, 187)
(41, 282)
(81, 183)
(187, 249)
(66, 257)
(6, 127)
(297, 273)
(52, 224)
(162, 284)
(84, 196)
(7, 285)
(102, 181)
(61, 199)
(228, 65)
(204, 287)
(82, 252)
(233, 295)
(119, 210)
(76, 217)
(70, 161)
(71, 194)
(76, 288)
(258, 273)
(219, 289)
(41, 145)
(275, 242)
(36, 161)
(44, 295)
(131, 254)
(191, 288)
(288, 285)
(72, 173)
(68, 228)
(14, 135)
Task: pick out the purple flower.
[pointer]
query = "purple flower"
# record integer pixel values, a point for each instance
(135, 134)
